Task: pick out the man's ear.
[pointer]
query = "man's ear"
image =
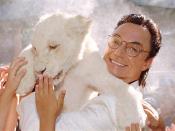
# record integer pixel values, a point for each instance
(147, 64)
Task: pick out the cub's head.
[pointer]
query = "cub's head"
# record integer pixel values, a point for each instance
(58, 43)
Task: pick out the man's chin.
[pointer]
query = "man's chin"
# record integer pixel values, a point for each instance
(118, 74)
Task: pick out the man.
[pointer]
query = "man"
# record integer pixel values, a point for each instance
(130, 52)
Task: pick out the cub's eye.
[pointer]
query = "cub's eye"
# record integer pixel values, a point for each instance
(52, 47)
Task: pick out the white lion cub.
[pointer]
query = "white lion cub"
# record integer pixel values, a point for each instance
(63, 49)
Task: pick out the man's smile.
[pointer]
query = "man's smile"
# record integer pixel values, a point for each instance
(116, 63)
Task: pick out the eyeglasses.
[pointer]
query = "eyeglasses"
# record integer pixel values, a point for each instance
(132, 49)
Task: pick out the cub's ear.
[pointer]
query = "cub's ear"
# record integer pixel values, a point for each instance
(79, 24)
(83, 21)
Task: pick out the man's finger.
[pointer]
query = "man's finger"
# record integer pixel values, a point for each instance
(127, 129)
(17, 67)
(50, 85)
(61, 98)
(146, 105)
(46, 84)
(137, 126)
(20, 75)
(133, 127)
(15, 61)
(40, 85)
(36, 89)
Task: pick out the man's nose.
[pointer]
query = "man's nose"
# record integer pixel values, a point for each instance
(120, 51)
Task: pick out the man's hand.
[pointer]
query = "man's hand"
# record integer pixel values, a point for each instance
(48, 107)
(154, 120)
(10, 78)
(15, 74)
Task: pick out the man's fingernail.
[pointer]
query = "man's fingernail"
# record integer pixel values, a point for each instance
(63, 92)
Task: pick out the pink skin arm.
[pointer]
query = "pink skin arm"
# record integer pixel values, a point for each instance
(8, 101)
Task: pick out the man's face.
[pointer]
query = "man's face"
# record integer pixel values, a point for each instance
(119, 63)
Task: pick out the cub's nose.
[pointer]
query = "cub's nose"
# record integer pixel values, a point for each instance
(41, 71)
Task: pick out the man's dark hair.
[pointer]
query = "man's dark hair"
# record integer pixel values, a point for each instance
(155, 41)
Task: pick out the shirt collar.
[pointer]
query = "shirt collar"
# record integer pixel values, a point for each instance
(135, 84)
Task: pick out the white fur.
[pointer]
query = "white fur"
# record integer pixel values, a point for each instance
(84, 71)
(52, 31)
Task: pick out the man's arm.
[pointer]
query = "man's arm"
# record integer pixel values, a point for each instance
(8, 99)
(48, 107)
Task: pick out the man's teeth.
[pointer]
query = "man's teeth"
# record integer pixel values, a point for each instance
(116, 63)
